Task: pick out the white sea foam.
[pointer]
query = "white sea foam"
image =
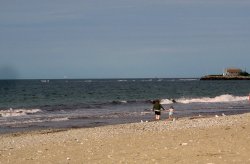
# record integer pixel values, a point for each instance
(60, 119)
(34, 120)
(19, 123)
(17, 112)
(45, 81)
(217, 99)
(121, 80)
(166, 101)
(221, 98)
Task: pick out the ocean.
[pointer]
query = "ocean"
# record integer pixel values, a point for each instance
(27, 105)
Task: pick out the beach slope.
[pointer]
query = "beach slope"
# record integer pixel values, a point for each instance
(224, 139)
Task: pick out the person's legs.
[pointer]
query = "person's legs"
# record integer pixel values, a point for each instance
(170, 117)
(157, 115)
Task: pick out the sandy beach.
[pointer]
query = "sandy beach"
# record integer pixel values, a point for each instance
(223, 139)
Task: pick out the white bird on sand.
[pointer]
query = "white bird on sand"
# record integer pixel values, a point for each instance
(223, 114)
(216, 116)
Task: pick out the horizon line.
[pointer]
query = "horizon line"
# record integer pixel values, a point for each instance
(101, 78)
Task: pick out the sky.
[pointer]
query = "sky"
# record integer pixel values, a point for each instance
(54, 39)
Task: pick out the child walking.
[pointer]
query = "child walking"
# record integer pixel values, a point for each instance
(170, 113)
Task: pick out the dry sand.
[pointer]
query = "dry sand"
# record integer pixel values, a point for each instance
(224, 139)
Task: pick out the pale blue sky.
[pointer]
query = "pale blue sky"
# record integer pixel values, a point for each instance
(122, 38)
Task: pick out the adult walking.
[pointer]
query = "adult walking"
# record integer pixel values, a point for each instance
(157, 109)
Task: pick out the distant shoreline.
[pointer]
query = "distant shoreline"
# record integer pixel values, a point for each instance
(214, 77)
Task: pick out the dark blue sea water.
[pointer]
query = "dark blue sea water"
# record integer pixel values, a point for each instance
(44, 104)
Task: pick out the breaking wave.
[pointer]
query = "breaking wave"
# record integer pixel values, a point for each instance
(217, 99)
(17, 112)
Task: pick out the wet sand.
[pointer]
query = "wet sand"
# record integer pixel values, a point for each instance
(223, 139)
